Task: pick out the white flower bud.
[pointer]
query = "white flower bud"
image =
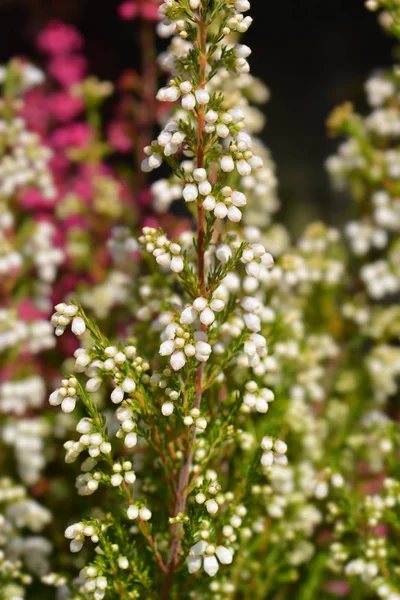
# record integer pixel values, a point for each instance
(243, 167)
(188, 102)
(55, 398)
(211, 116)
(242, 5)
(202, 96)
(76, 546)
(131, 440)
(234, 214)
(224, 253)
(207, 316)
(117, 395)
(242, 51)
(186, 87)
(211, 565)
(133, 512)
(123, 562)
(209, 203)
(238, 199)
(188, 316)
(217, 305)
(253, 269)
(190, 192)
(280, 446)
(177, 264)
(93, 384)
(267, 260)
(68, 405)
(145, 514)
(116, 479)
(267, 459)
(222, 130)
(220, 210)
(172, 94)
(200, 174)
(178, 360)
(200, 303)
(167, 409)
(78, 326)
(128, 385)
(205, 188)
(212, 507)
(155, 161)
(227, 164)
(224, 555)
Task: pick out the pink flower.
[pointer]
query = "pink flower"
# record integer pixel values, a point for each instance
(33, 200)
(59, 38)
(63, 106)
(141, 9)
(337, 588)
(75, 135)
(35, 110)
(59, 165)
(151, 222)
(27, 311)
(68, 70)
(118, 137)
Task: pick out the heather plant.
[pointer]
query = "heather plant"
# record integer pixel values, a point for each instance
(236, 423)
(233, 363)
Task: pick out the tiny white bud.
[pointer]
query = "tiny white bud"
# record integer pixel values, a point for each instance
(78, 326)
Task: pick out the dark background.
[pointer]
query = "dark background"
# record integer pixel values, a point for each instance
(313, 54)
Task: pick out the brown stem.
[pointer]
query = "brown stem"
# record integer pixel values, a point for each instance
(183, 483)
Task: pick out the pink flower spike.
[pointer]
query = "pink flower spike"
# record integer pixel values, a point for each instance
(64, 107)
(128, 10)
(118, 137)
(59, 38)
(77, 135)
(68, 70)
(149, 12)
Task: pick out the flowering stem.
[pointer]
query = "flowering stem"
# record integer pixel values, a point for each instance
(183, 484)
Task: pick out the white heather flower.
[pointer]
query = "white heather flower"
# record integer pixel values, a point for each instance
(133, 512)
(178, 360)
(188, 102)
(145, 514)
(117, 395)
(209, 203)
(224, 253)
(212, 507)
(128, 385)
(242, 5)
(243, 167)
(200, 174)
(167, 409)
(227, 164)
(78, 326)
(202, 96)
(190, 192)
(205, 554)
(123, 562)
(220, 210)
(116, 479)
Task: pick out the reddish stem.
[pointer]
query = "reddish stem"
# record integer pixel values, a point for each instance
(183, 483)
